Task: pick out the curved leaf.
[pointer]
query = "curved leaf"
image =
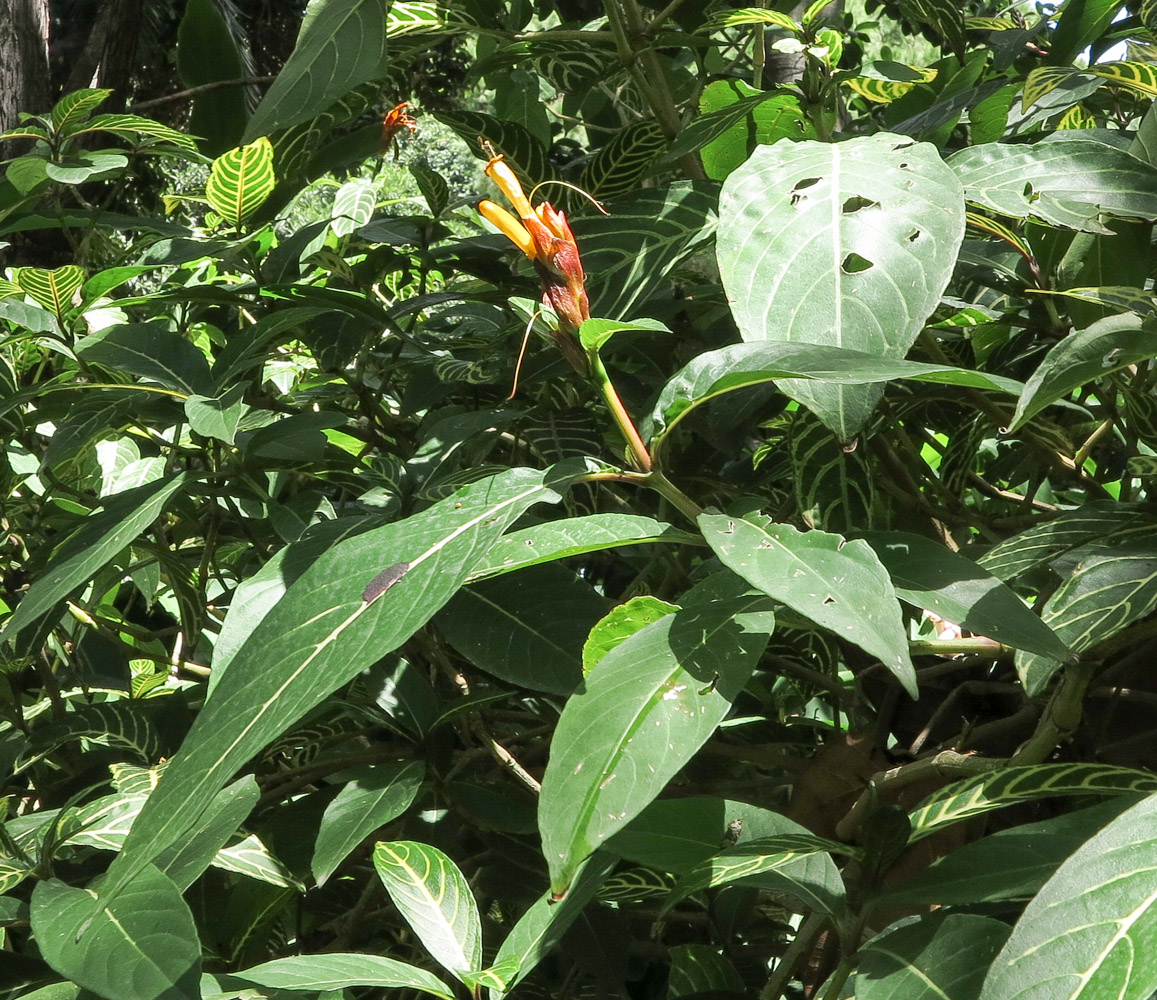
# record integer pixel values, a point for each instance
(240, 181)
(434, 897)
(845, 245)
(336, 971)
(52, 289)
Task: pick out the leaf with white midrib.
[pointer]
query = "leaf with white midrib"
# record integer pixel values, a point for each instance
(434, 897)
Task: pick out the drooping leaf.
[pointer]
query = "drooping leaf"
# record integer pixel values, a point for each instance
(93, 545)
(1090, 930)
(985, 792)
(838, 584)
(930, 957)
(342, 44)
(374, 795)
(846, 245)
(143, 947)
(240, 180)
(635, 721)
(434, 897)
(337, 971)
(931, 577)
(319, 636)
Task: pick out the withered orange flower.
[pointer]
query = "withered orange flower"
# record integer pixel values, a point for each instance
(542, 233)
(397, 118)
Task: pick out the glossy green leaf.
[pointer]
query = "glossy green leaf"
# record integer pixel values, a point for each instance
(620, 624)
(714, 373)
(749, 15)
(86, 166)
(217, 417)
(996, 789)
(525, 628)
(619, 164)
(1080, 23)
(594, 333)
(1092, 929)
(98, 539)
(838, 584)
(635, 721)
(933, 957)
(52, 289)
(700, 968)
(338, 971)
(207, 53)
(320, 635)
(143, 132)
(1066, 183)
(1107, 591)
(846, 245)
(374, 795)
(342, 44)
(521, 150)
(628, 253)
(1006, 865)
(571, 537)
(152, 352)
(929, 576)
(75, 107)
(353, 206)
(142, 947)
(434, 897)
(1109, 345)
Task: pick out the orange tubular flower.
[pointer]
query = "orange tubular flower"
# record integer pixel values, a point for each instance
(542, 233)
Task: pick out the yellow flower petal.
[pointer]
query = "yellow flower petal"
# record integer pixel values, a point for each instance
(508, 225)
(509, 185)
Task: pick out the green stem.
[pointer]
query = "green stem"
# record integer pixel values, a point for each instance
(839, 977)
(640, 457)
(805, 937)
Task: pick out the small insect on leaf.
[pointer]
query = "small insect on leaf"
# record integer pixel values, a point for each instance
(384, 581)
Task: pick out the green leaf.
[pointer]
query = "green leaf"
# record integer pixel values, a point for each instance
(542, 926)
(930, 576)
(1107, 591)
(95, 543)
(433, 187)
(1066, 183)
(1117, 298)
(342, 44)
(353, 206)
(847, 245)
(1109, 345)
(628, 254)
(754, 861)
(1092, 929)
(525, 628)
(573, 536)
(749, 15)
(634, 723)
(713, 373)
(619, 164)
(932, 957)
(942, 16)
(1043, 80)
(434, 897)
(85, 166)
(620, 624)
(338, 971)
(374, 795)
(240, 180)
(320, 635)
(1139, 77)
(52, 289)
(994, 790)
(838, 584)
(217, 417)
(73, 109)
(1006, 865)
(524, 153)
(135, 129)
(142, 947)
(1081, 23)
(594, 333)
(152, 352)
(207, 53)
(699, 968)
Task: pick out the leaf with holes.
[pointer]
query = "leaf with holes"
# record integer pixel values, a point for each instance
(52, 289)
(1092, 929)
(1108, 590)
(636, 721)
(241, 180)
(1006, 786)
(838, 584)
(434, 897)
(847, 245)
(1067, 183)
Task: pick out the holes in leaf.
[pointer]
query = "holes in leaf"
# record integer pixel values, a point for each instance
(855, 203)
(854, 264)
(914, 236)
(807, 182)
(1029, 194)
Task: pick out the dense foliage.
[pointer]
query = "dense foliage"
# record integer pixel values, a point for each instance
(785, 632)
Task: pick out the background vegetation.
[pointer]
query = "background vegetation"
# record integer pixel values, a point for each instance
(787, 632)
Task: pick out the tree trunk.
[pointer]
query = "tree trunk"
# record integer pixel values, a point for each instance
(107, 58)
(23, 61)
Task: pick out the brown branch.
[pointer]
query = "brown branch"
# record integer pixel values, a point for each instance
(204, 88)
